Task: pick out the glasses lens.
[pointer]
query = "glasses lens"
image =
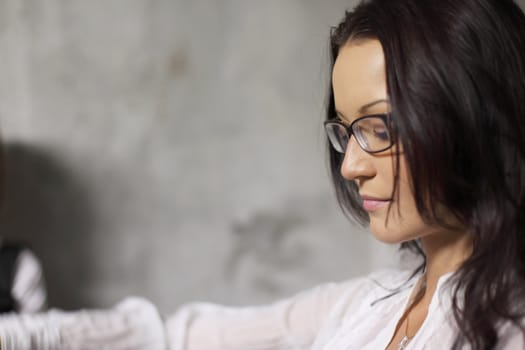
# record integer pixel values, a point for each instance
(372, 134)
(338, 136)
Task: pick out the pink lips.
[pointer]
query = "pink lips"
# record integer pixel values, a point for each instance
(372, 204)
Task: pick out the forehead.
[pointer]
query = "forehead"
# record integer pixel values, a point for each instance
(358, 76)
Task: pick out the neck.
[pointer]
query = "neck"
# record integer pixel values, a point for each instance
(445, 252)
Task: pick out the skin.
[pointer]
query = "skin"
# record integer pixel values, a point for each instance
(359, 86)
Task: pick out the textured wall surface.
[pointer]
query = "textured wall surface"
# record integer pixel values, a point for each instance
(173, 149)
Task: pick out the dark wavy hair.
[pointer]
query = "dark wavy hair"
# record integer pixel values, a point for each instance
(456, 82)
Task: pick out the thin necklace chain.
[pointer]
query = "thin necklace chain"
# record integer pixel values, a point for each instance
(406, 339)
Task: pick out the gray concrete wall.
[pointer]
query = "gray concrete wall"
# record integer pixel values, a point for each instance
(173, 149)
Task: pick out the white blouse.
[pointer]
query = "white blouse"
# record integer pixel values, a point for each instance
(359, 314)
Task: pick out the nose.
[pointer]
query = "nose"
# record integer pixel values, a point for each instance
(357, 164)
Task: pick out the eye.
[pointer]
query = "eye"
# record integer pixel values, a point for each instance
(381, 133)
(375, 129)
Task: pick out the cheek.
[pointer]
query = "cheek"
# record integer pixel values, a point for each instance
(402, 222)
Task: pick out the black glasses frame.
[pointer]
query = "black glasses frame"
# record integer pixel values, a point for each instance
(350, 130)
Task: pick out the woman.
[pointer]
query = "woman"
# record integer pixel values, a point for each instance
(455, 81)
(427, 145)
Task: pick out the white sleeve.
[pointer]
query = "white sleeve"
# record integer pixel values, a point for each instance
(28, 289)
(290, 324)
(511, 337)
(133, 324)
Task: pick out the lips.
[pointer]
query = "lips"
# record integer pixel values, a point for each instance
(373, 203)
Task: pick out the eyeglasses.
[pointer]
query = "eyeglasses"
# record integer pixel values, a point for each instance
(372, 133)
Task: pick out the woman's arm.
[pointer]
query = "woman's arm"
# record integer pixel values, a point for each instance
(289, 324)
(133, 324)
(136, 325)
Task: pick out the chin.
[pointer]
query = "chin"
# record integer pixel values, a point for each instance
(391, 234)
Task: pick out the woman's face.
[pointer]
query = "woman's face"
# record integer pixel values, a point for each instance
(359, 86)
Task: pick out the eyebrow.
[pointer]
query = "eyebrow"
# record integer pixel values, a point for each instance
(364, 108)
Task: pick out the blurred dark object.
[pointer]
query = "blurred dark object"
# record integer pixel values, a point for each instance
(46, 206)
(8, 257)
